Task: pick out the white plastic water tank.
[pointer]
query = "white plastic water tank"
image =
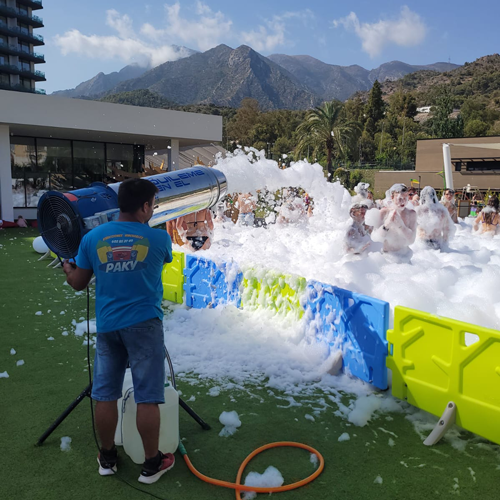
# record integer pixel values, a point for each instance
(127, 433)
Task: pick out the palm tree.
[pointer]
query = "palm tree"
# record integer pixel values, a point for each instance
(326, 127)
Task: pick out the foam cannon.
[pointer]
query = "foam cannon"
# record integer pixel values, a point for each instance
(64, 218)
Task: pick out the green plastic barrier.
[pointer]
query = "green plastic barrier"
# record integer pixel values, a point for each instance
(272, 290)
(172, 278)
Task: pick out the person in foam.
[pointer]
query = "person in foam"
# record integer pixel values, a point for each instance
(357, 238)
(292, 210)
(196, 229)
(434, 224)
(363, 195)
(395, 224)
(489, 218)
(448, 201)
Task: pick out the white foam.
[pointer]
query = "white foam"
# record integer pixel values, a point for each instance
(65, 443)
(271, 478)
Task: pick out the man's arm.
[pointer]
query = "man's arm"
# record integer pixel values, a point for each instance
(77, 277)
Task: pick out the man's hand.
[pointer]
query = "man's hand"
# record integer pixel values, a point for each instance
(76, 277)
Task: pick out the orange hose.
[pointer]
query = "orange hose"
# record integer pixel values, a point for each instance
(239, 487)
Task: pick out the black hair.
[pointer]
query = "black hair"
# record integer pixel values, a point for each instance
(493, 202)
(133, 193)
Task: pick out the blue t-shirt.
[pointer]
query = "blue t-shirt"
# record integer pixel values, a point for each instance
(127, 259)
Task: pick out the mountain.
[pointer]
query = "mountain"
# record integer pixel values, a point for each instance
(224, 76)
(102, 83)
(480, 78)
(330, 81)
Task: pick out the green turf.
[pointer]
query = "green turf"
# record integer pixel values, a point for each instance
(53, 375)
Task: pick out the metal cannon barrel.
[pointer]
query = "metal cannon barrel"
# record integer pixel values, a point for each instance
(184, 192)
(61, 215)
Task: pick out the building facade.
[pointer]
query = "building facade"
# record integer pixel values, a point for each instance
(56, 143)
(18, 42)
(472, 166)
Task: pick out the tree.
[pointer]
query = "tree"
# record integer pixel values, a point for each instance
(375, 107)
(476, 128)
(240, 128)
(442, 125)
(326, 127)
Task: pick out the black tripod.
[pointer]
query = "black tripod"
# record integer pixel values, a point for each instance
(87, 391)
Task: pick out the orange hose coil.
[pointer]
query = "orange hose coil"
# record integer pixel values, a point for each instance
(239, 487)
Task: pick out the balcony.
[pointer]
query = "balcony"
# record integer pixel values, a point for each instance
(20, 88)
(34, 4)
(38, 76)
(21, 34)
(14, 50)
(35, 21)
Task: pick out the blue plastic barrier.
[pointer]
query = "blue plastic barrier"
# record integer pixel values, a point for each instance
(208, 285)
(354, 323)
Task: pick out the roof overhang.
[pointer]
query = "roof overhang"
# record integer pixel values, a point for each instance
(63, 118)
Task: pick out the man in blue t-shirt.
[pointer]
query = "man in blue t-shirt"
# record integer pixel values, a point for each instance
(127, 258)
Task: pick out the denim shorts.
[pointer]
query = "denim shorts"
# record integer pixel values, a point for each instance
(141, 345)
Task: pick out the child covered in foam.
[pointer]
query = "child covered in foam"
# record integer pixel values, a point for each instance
(435, 225)
(357, 238)
(363, 195)
(395, 225)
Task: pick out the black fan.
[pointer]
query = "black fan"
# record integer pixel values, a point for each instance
(60, 227)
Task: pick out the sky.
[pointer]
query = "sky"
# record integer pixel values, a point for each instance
(85, 38)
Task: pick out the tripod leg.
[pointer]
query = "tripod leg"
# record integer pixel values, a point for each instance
(196, 417)
(64, 414)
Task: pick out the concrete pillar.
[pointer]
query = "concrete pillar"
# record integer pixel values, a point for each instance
(174, 154)
(6, 200)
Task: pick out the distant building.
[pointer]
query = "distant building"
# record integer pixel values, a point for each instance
(17, 45)
(56, 143)
(472, 165)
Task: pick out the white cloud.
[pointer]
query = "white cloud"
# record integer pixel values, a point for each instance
(407, 30)
(204, 30)
(267, 38)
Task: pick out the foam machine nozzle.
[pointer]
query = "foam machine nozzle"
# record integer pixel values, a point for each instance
(64, 218)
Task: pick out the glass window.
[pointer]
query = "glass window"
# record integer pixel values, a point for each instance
(36, 185)
(23, 163)
(119, 157)
(22, 9)
(3, 59)
(4, 78)
(88, 163)
(24, 47)
(4, 40)
(24, 65)
(25, 82)
(24, 28)
(3, 2)
(3, 19)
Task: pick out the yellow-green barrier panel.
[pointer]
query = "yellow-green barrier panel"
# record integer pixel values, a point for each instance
(273, 290)
(435, 360)
(172, 278)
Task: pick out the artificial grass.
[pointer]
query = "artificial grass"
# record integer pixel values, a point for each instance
(54, 374)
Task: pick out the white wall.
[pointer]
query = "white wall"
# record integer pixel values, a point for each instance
(6, 202)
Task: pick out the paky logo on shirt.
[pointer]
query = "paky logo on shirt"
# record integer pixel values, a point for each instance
(122, 253)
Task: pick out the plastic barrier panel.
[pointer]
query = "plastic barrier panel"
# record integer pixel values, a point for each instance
(272, 290)
(208, 285)
(172, 278)
(437, 360)
(353, 323)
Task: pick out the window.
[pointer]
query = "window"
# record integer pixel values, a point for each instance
(25, 82)
(22, 9)
(4, 40)
(24, 28)
(23, 164)
(4, 79)
(88, 163)
(24, 47)
(3, 20)
(24, 65)
(3, 2)
(3, 59)
(120, 157)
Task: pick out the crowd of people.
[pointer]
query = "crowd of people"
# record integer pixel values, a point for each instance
(403, 217)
